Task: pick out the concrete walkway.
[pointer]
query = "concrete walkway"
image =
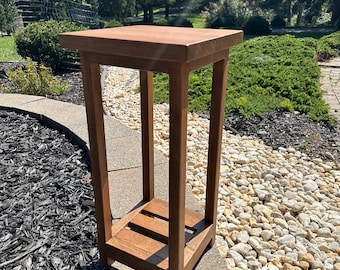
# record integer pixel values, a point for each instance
(330, 85)
(124, 159)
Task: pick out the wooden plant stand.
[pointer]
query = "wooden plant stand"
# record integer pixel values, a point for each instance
(158, 234)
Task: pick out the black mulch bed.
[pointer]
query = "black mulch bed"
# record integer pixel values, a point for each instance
(47, 215)
(284, 129)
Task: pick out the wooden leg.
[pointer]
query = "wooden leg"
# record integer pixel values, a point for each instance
(147, 133)
(215, 140)
(94, 110)
(177, 165)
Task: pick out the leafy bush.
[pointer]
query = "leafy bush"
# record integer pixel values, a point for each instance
(179, 21)
(265, 74)
(257, 25)
(161, 21)
(40, 42)
(34, 79)
(113, 23)
(8, 16)
(328, 46)
(174, 21)
(278, 22)
(229, 13)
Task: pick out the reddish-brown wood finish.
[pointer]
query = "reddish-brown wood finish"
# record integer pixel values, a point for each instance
(157, 234)
(146, 90)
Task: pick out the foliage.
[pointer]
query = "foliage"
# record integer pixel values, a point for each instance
(8, 16)
(8, 51)
(34, 79)
(257, 25)
(265, 73)
(113, 23)
(197, 20)
(278, 22)
(116, 9)
(277, 68)
(40, 42)
(179, 21)
(328, 46)
(228, 13)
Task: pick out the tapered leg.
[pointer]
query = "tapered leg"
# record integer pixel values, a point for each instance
(147, 133)
(177, 165)
(94, 111)
(215, 139)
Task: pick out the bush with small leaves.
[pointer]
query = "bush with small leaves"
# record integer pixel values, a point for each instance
(328, 46)
(40, 42)
(34, 79)
(113, 23)
(265, 74)
(257, 25)
(278, 22)
(229, 13)
(179, 21)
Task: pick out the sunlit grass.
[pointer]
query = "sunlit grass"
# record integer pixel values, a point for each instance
(8, 51)
(197, 20)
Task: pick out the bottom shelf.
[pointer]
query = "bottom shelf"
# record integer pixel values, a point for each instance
(140, 239)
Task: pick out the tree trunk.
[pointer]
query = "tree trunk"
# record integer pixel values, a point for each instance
(167, 11)
(335, 11)
(301, 7)
(289, 12)
(150, 14)
(145, 14)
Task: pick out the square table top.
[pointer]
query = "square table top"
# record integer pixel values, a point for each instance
(153, 42)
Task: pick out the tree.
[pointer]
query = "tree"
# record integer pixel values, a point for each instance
(335, 8)
(305, 11)
(116, 9)
(8, 16)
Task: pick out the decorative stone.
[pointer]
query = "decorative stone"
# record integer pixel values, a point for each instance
(241, 248)
(267, 235)
(242, 237)
(255, 244)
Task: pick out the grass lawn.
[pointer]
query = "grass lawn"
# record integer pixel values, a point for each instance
(7, 49)
(197, 20)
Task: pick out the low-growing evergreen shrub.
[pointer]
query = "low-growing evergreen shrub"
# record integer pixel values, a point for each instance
(277, 68)
(161, 21)
(179, 21)
(34, 79)
(40, 42)
(113, 23)
(265, 74)
(328, 46)
(174, 21)
(257, 25)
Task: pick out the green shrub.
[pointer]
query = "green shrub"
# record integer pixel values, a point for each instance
(328, 46)
(278, 68)
(161, 21)
(40, 42)
(179, 21)
(34, 79)
(113, 23)
(257, 25)
(278, 22)
(228, 13)
(174, 21)
(265, 74)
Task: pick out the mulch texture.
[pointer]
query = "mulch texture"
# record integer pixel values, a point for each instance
(47, 214)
